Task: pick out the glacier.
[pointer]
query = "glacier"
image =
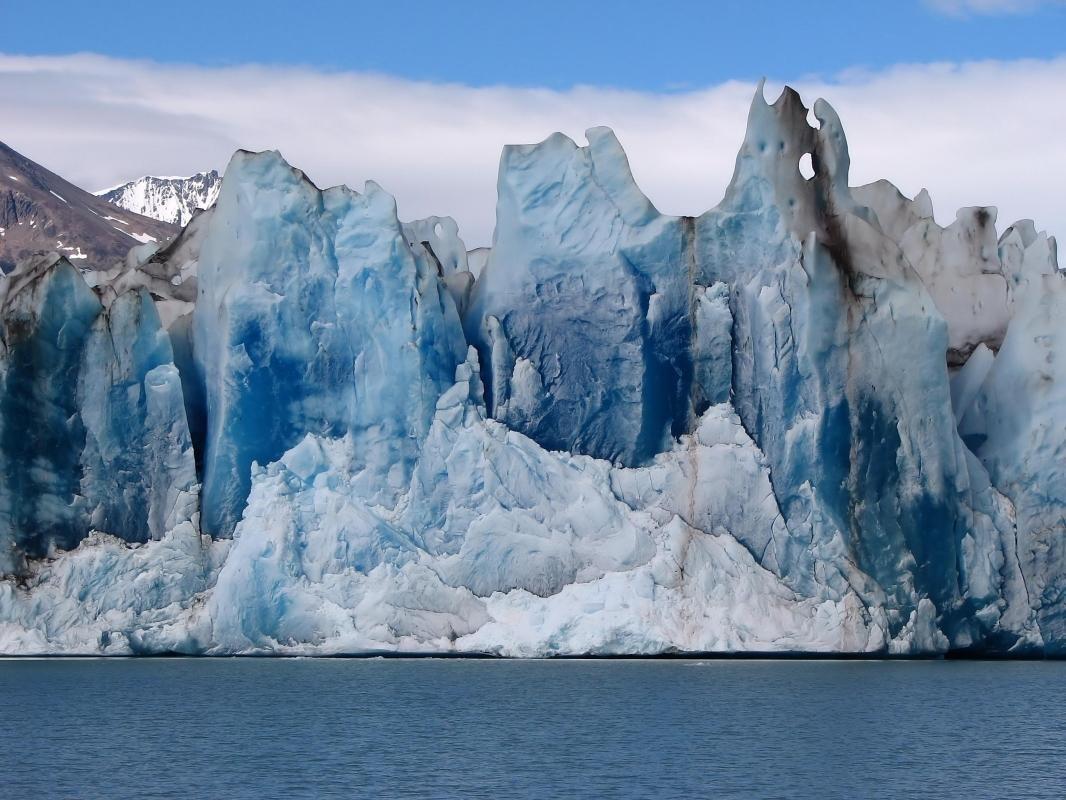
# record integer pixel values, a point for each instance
(352, 332)
(809, 420)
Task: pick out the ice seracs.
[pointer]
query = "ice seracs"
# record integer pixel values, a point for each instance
(48, 313)
(94, 430)
(1016, 426)
(858, 430)
(581, 314)
(138, 468)
(809, 419)
(314, 316)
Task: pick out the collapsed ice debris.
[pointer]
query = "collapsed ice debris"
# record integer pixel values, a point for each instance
(810, 419)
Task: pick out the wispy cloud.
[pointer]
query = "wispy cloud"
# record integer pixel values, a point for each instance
(979, 133)
(965, 8)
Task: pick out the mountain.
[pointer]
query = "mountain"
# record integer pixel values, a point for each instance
(41, 212)
(171, 200)
(810, 419)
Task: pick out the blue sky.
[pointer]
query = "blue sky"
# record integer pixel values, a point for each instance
(966, 98)
(652, 46)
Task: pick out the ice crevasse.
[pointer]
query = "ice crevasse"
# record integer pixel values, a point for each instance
(810, 419)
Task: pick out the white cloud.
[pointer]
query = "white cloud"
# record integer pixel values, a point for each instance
(980, 133)
(964, 8)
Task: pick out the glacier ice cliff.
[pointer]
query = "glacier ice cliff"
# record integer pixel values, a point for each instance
(810, 419)
(94, 433)
(314, 315)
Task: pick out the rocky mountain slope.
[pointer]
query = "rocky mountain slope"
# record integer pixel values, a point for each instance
(41, 212)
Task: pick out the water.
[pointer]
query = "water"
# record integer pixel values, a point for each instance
(250, 728)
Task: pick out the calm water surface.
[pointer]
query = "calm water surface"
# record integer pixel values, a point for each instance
(250, 728)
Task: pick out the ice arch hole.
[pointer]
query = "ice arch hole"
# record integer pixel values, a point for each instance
(806, 166)
(438, 230)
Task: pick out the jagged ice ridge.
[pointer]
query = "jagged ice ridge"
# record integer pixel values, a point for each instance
(808, 420)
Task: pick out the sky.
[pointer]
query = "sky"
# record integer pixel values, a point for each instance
(964, 97)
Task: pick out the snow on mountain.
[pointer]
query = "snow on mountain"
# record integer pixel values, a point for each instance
(171, 200)
(807, 420)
